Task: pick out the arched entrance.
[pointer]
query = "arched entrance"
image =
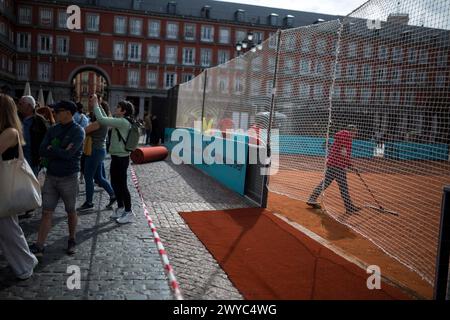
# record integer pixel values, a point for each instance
(88, 80)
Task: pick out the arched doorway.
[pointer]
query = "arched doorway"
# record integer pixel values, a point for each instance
(88, 80)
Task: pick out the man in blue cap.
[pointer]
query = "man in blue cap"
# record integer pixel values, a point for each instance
(62, 147)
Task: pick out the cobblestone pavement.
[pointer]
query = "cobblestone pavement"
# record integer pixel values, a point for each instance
(122, 262)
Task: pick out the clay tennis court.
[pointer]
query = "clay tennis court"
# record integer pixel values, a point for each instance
(413, 189)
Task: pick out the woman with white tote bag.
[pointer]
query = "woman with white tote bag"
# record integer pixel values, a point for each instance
(13, 244)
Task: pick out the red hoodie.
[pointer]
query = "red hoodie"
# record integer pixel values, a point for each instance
(341, 150)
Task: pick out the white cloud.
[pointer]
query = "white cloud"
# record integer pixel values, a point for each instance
(334, 7)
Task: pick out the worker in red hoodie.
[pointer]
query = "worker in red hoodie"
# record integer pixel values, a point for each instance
(338, 161)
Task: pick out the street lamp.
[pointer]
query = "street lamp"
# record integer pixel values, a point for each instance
(248, 43)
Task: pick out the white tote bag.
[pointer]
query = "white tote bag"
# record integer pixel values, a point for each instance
(19, 188)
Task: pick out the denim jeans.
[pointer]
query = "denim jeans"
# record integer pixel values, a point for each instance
(94, 168)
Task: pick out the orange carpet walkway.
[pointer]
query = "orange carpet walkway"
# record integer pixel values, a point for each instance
(266, 258)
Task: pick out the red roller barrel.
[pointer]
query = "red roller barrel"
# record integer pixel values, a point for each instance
(149, 154)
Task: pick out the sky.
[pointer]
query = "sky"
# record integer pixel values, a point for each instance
(334, 7)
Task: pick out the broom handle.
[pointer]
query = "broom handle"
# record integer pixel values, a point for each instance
(367, 187)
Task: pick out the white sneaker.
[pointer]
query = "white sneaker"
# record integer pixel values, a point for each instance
(127, 217)
(118, 213)
(28, 274)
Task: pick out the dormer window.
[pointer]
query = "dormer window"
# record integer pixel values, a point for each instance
(206, 11)
(288, 21)
(239, 15)
(273, 19)
(172, 7)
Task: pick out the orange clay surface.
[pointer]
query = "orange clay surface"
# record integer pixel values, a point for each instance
(411, 189)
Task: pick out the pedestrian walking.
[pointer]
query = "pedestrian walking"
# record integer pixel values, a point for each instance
(62, 147)
(13, 244)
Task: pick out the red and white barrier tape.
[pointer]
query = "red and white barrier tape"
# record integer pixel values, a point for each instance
(162, 252)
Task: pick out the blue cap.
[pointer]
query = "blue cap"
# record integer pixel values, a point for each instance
(64, 105)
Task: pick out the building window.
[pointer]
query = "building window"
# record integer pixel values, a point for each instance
(305, 89)
(170, 79)
(133, 78)
(305, 67)
(412, 55)
(395, 98)
(172, 30)
(306, 43)
(258, 36)
(367, 72)
(119, 51)
(153, 53)
(273, 40)
(188, 56)
(206, 55)
(318, 91)
(352, 71)
(423, 56)
(154, 28)
(46, 17)
(62, 19)
(44, 72)
(45, 43)
(120, 25)
(350, 94)
(91, 48)
(411, 78)
(186, 77)
(23, 70)
(93, 22)
(336, 92)
(382, 53)
(134, 52)
(320, 68)
(23, 42)
(442, 59)
(366, 94)
(397, 54)
(207, 34)
(189, 32)
(171, 55)
(223, 56)
(240, 35)
(223, 85)
(256, 86)
(382, 74)
(62, 46)
(136, 27)
(338, 72)
(224, 36)
(238, 86)
(396, 75)
(288, 66)
(152, 79)
(321, 46)
(440, 80)
(25, 15)
(367, 51)
(351, 50)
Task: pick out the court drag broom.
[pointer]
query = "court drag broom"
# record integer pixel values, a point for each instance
(380, 207)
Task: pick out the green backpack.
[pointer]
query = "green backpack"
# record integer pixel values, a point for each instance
(134, 134)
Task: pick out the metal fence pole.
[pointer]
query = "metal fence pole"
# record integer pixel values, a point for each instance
(443, 253)
(203, 102)
(271, 117)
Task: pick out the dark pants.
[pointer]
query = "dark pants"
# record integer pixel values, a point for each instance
(147, 136)
(119, 169)
(340, 175)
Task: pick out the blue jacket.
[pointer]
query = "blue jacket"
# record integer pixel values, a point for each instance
(63, 160)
